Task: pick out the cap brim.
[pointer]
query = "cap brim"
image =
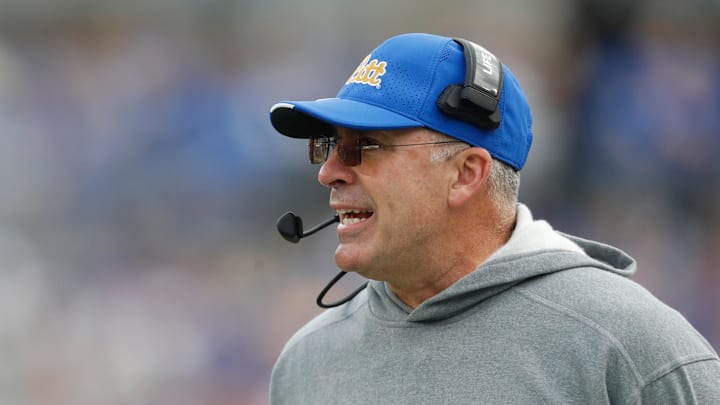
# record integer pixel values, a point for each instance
(305, 119)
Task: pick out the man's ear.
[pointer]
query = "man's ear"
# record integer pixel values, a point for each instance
(472, 170)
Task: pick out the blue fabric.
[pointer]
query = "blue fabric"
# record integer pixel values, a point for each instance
(397, 86)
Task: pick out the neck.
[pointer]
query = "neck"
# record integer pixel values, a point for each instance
(466, 253)
(418, 291)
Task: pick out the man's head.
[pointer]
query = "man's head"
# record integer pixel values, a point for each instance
(428, 134)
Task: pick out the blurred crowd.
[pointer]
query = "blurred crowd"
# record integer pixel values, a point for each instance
(141, 180)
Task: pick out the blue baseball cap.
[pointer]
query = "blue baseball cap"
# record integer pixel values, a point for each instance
(399, 85)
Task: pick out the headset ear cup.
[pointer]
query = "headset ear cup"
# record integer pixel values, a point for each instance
(494, 118)
(451, 103)
(449, 100)
(476, 101)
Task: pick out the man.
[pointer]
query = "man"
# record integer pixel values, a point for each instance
(470, 299)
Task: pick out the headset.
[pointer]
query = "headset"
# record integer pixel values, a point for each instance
(475, 101)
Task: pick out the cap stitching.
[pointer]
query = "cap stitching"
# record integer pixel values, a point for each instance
(433, 72)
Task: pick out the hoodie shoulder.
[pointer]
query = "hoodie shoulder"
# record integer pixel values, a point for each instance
(311, 349)
(650, 337)
(327, 318)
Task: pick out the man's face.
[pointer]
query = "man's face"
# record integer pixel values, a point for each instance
(391, 205)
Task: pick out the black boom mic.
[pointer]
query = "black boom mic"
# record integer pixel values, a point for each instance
(290, 227)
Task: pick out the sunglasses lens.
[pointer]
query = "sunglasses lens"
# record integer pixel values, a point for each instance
(318, 150)
(349, 154)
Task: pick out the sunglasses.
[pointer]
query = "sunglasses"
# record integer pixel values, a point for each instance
(350, 152)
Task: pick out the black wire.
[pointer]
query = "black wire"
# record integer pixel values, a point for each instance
(320, 226)
(319, 300)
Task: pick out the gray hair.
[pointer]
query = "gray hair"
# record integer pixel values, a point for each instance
(504, 181)
(504, 187)
(445, 152)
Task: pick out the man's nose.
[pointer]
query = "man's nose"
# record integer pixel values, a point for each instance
(333, 173)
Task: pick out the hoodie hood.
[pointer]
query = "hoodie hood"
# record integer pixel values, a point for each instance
(533, 250)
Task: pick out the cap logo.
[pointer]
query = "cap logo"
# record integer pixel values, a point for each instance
(368, 72)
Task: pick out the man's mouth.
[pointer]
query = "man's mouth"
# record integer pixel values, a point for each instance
(349, 217)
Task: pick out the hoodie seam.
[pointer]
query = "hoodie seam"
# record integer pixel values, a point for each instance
(470, 311)
(511, 285)
(668, 369)
(569, 312)
(587, 262)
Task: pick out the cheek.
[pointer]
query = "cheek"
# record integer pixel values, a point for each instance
(409, 194)
(414, 204)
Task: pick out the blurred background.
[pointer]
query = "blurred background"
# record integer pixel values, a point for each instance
(140, 179)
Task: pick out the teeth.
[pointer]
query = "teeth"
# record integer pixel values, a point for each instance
(345, 219)
(345, 212)
(348, 221)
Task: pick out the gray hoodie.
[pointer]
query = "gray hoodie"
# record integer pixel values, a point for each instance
(547, 319)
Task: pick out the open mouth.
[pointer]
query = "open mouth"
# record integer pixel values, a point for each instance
(349, 217)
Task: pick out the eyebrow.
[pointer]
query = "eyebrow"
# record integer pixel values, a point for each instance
(347, 131)
(341, 132)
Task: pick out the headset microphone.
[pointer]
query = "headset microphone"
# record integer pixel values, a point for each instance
(290, 227)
